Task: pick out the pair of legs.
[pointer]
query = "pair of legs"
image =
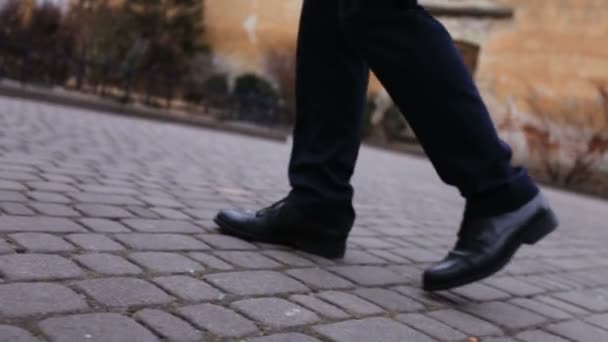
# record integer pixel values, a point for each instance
(414, 57)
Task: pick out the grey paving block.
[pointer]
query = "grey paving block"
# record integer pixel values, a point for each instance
(248, 260)
(98, 327)
(276, 312)
(95, 242)
(370, 329)
(163, 262)
(369, 275)
(351, 303)
(38, 224)
(103, 225)
(161, 242)
(466, 323)
(289, 337)
(42, 242)
(320, 279)
(168, 326)
(255, 283)
(108, 264)
(389, 300)
(218, 320)
(38, 267)
(578, 331)
(319, 306)
(188, 288)
(431, 327)
(28, 299)
(211, 261)
(161, 226)
(14, 334)
(123, 292)
(506, 315)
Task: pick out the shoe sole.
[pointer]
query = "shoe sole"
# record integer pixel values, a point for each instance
(329, 250)
(539, 227)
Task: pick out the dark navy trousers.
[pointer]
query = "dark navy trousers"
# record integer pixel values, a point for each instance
(415, 59)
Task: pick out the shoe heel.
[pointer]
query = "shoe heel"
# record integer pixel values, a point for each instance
(542, 225)
(326, 249)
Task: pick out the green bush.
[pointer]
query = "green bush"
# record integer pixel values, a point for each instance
(256, 98)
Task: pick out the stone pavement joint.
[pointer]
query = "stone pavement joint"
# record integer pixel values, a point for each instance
(106, 234)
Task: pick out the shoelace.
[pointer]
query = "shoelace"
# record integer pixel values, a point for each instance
(274, 206)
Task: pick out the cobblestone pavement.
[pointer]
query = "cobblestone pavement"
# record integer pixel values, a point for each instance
(107, 235)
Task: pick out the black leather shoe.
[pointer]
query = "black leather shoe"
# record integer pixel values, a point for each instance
(486, 245)
(285, 224)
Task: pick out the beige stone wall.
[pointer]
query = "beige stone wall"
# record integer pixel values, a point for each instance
(556, 47)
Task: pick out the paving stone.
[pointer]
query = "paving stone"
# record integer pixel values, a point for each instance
(104, 189)
(514, 286)
(369, 275)
(370, 329)
(13, 334)
(28, 299)
(5, 247)
(552, 301)
(38, 224)
(161, 226)
(431, 327)
(171, 214)
(123, 292)
(506, 315)
(541, 308)
(108, 264)
(161, 201)
(10, 185)
(388, 256)
(418, 254)
(103, 225)
(430, 300)
(218, 320)
(211, 261)
(162, 262)
(188, 288)
(288, 258)
(143, 212)
(38, 267)
(249, 260)
(168, 326)
(350, 303)
(103, 211)
(601, 320)
(480, 292)
(16, 209)
(95, 242)
(578, 331)
(289, 337)
(276, 312)
(50, 197)
(41, 242)
(51, 186)
(593, 300)
(97, 327)
(320, 279)
(370, 242)
(226, 242)
(539, 336)
(161, 242)
(359, 257)
(323, 308)
(54, 209)
(255, 283)
(88, 197)
(466, 323)
(12, 196)
(389, 300)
